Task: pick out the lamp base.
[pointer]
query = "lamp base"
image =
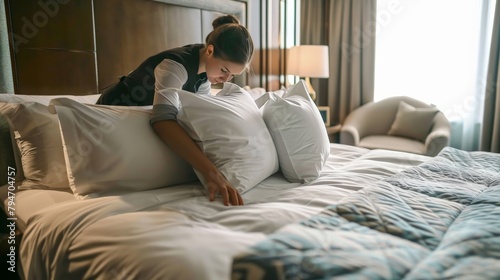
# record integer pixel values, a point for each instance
(310, 88)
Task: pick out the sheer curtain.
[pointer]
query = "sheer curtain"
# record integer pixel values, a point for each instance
(437, 52)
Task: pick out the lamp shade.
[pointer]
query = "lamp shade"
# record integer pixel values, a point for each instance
(308, 61)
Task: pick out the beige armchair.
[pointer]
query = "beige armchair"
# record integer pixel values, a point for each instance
(372, 126)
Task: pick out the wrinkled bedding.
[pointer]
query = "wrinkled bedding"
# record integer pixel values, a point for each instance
(438, 220)
(176, 233)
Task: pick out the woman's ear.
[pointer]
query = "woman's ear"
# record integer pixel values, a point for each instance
(209, 50)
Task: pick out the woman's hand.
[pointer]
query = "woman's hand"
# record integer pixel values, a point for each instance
(179, 141)
(216, 183)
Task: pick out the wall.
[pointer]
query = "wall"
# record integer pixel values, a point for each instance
(51, 37)
(6, 80)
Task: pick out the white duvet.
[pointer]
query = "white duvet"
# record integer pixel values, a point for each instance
(176, 233)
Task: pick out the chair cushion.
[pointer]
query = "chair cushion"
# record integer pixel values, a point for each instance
(411, 122)
(394, 143)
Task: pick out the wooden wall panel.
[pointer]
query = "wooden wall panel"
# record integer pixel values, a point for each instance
(48, 72)
(90, 43)
(50, 24)
(53, 47)
(129, 31)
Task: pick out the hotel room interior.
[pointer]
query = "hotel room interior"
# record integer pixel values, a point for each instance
(364, 139)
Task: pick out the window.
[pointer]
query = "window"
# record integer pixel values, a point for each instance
(434, 51)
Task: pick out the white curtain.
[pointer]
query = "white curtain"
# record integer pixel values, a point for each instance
(437, 52)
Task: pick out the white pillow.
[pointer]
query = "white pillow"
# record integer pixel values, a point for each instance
(38, 147)
(255, 92)
(113, 149)
(229, 129)
(36, 142)
(36, 133)
(299, 133)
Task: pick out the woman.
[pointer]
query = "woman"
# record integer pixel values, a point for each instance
(226, 53)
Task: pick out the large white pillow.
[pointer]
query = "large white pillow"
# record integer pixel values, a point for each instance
(113, 149)
(299, 133)
(229, 129)
(37, 143)
(36, 133)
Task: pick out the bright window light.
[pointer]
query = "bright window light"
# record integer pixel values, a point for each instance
(431, 50)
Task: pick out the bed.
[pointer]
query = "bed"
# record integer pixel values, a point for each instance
(374, 214)
(93, 198)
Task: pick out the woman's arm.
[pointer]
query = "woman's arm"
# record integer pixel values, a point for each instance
(170, 74)
(180, 142)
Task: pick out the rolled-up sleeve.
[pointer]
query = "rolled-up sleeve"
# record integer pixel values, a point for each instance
(169, 75)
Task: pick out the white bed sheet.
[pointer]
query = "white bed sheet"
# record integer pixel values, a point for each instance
(31, 201)
(176, 233)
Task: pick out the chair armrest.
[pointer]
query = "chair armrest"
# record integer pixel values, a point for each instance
(349, 135)
(356, 125)
(439, 136)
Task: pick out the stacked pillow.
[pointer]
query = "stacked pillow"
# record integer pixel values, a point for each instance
(229, 129)
(100, 150)
(36, 140)
(298, 132)
(113, 150)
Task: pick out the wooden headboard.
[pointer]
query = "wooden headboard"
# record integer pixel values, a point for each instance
(80, 47)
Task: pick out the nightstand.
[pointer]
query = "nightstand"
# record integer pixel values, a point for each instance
(332, 130)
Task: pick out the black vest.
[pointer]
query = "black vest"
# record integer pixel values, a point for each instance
(138, 87)
(188, 56)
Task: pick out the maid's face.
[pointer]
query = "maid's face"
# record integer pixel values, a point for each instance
(220, 71)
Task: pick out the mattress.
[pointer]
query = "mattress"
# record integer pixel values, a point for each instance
(165, 233)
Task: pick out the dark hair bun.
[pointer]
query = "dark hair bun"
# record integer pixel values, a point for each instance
(224, 20)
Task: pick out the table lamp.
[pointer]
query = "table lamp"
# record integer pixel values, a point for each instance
(309, 61)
